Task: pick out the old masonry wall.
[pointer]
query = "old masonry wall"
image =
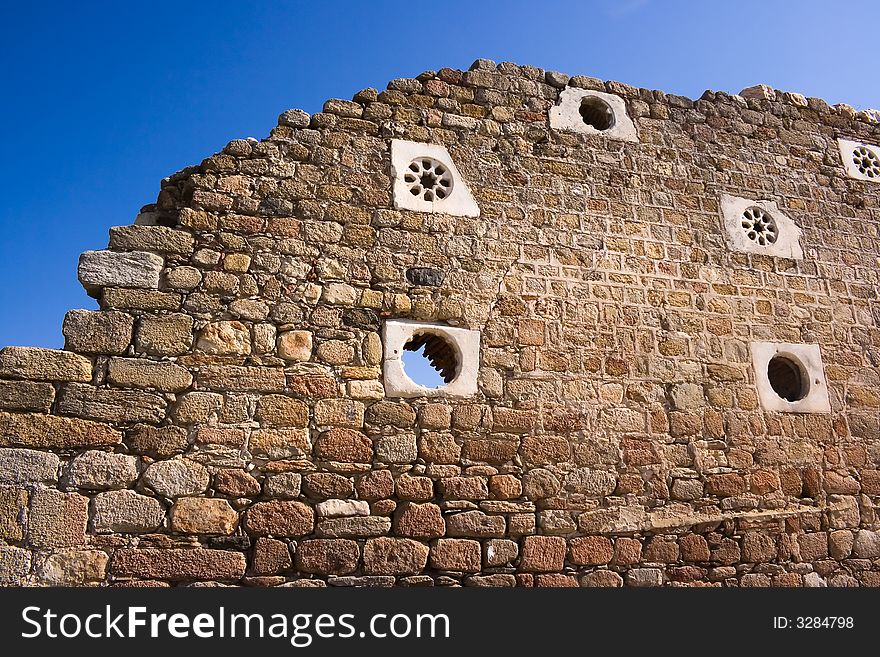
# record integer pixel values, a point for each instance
(658, 320)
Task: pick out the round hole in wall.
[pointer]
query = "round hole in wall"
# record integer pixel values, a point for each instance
(430, 360)
(787, 378)
(428, 179)
(597, 113)
(759, 226)
(867, 162)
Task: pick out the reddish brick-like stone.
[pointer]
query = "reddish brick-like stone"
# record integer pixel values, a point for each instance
(375, 485)
(627, 552)
(346, 445)
(542, 554)
(394, 556)
(417, 489)
(694, 548)
(456, 554)
(270, 557)
(813, 547)
(661, 549)
(236, 483)
(758, 547)
(280, 518)
(556, 580)
(590, 550)
(505, 487)
(328, 556)
(178, 565)
(419, 521)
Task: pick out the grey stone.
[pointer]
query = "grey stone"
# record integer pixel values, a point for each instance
(21, 466)
(687, 395)
(15, 564)
(97, 332)
(594, 483)
(97, 470)
(126, 511)
(176, 477)
(342, 508)
(400, 448)
(866, 545)
(73, 567)
(285, 485)
(427, 276)
(644, 577)
(136, 269)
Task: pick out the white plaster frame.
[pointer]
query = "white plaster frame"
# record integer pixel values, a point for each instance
(397, 332)
(809, 359)
(460, 202)
(847, 147)
(787, 244)
(567, 116)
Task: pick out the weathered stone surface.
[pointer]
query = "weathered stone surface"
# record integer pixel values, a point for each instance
(327, 485)
(475, 524)
(593, 483)
(328, 556)
(457, 554)
(73, 568)
(542, 554)
(96, 470)
(499, 552)
(353, 527)
(224, 338)
(590, 550)
(375, 485)
(164, 335)
(242, 378)
(342, 508)
(644, 577)
(394, 556)
(866, 544)
(178, 565)
(199, 515)
(127, 512)
(399, 448)
(26, 396)
(419, 521)
(141, 373)
(603, 579)
(176, 478)
(271, 556)
(282, 411)
(280, 518)
(286, 485)
(135, 269)
(43, 365)
(151, 238)
(160, 442)
(280, 443)
(236, 483)
(97, 332)
(109, 405)
(295, 346)
(21, 466)
(57, 519)
(13, 508)
(15, 564)
(758, 547)
(344, 445)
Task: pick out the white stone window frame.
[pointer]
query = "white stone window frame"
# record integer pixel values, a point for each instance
(460, 202)
(566, 115)
(847, 147)
(808, 358)
(465, 342)
(787, 244)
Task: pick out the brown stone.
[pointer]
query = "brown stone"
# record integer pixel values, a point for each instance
(57, 519)
(159, 442)
(813, 547)
(545, 450)
(661, 549)
(271, 556)
(435, 447)
(505, 487)
(758, 547)
(344, 445)
(375, 485)
(282, 411)
(419, 521)
(328, 556)
(627, 551)
(590, 550)
(327, 485)
(178, 564)
(456, 554)
(602, 579)
(464, 488)
(13, 502)
(556, 580)
(417, 489)
(49, 431)
(43, 365)
(164, 335)
(542, 554)
(235, 483)
(694, 548)
(394, 556)
(725, 485)
(97, 332)
(199, 515)
(280, 518)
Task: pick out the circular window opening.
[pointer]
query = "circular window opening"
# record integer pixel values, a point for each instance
(759, 226)
(430, 360)
(787, 378)
(428, 179)
(597, 113)
(867, 162)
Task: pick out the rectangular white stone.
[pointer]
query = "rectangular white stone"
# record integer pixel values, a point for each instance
(137, 269)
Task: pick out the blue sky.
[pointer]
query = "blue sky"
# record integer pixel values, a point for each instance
(102, 100)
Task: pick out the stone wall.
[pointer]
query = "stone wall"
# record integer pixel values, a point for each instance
(222, 417)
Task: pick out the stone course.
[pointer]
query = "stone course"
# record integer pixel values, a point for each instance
(223, 416)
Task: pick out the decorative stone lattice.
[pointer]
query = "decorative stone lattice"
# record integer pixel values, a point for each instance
(759, 226)
(867, 162)
(429, 179)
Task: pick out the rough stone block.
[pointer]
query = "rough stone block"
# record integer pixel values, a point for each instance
(96, 470)
(456, 554)
(199, 515)
(13, 506)
(178, 564)
(22, 466)
(44, 365)
(542, 554)
(271, 556)
(26, 396)
(110, 405)
(394, 556)
(151, 238)
(136, 269)
(590, 550)
(97, 332)
(280, 518)
(353, 527)
(57, 519)
(164, 335)
(423, 521)
(142, 373)
(328, 556)
(126, 511)
(176, 478)
(74, 568)
(15, 564)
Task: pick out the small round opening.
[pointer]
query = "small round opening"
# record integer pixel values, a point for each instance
(597, 113)
(430, 360)
(787, 378)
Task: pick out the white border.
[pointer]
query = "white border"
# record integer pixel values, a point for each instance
(397, 332)
(460, 202)
(809, 358)
(567, 116)
(787, 244)
(846, 150)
